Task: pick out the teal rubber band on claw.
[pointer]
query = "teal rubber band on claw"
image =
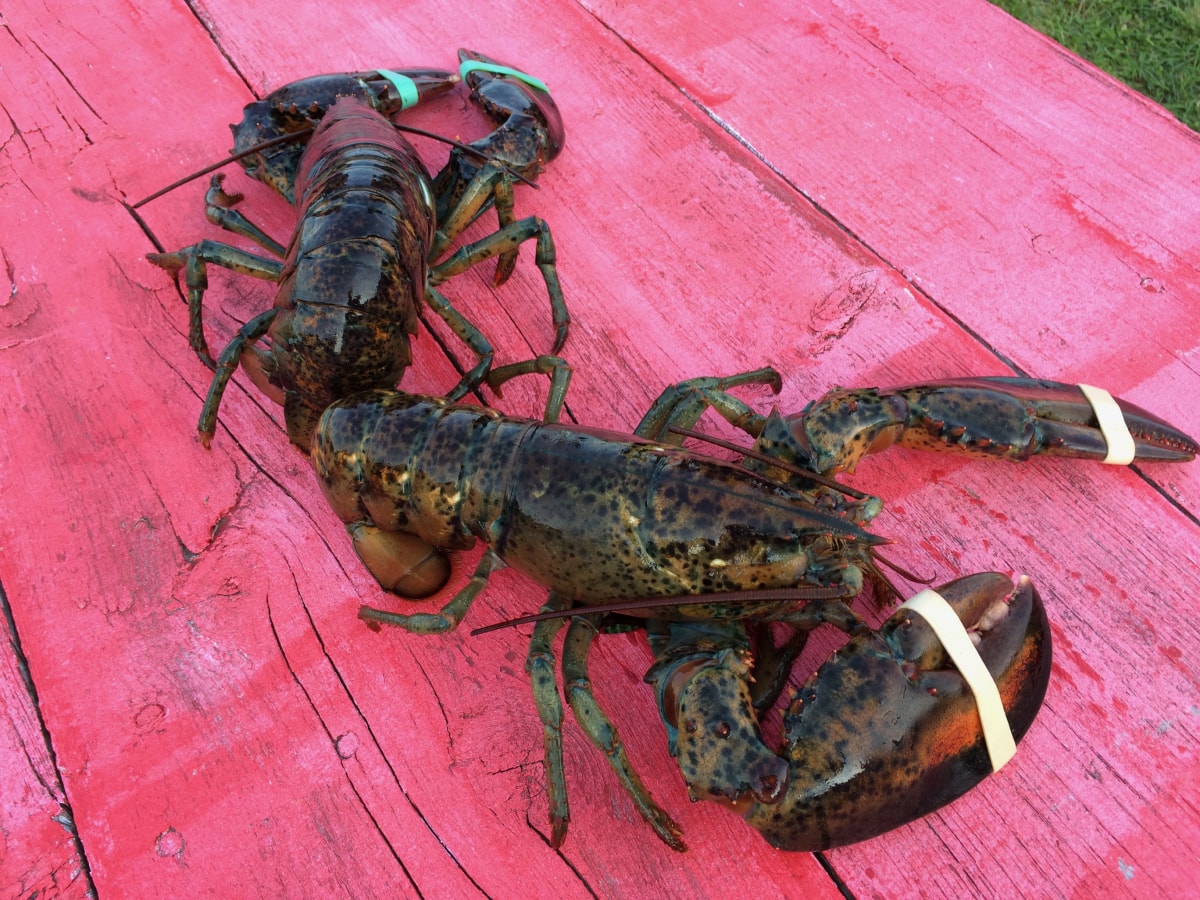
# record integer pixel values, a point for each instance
(405, 86)
(473, 65)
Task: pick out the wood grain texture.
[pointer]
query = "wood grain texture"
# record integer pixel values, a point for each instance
(37, 853)
(825, 189)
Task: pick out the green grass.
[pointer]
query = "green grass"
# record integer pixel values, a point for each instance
(1151, 45)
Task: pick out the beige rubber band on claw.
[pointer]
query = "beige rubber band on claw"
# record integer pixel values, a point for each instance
(934, 609)
(1121, 450)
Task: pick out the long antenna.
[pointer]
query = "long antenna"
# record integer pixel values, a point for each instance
(774, 461)
(770, 595)
(265, 145)
(291, 136)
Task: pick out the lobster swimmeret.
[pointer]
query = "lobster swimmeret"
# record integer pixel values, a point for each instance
(360, 265)
(702, 548)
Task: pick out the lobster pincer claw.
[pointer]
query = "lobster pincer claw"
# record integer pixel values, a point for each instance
(528, 135)
(999, 417)
(888, 729)
(530, 129)
(1074, 421)
(299, 105)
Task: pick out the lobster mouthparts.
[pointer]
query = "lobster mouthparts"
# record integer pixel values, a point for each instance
(887, 730)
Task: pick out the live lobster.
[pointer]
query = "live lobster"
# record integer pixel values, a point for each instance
(362, 262)
(699, 549)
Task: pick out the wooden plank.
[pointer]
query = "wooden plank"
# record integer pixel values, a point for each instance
(238, 737)
(37, 852)
(1053, 212)
(179, 744)
(1042, 204)
(219, 715)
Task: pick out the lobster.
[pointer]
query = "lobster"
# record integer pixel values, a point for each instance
(359, 266)
(703, 549)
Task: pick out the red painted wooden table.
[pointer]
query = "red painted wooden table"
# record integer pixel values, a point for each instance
(856, 193)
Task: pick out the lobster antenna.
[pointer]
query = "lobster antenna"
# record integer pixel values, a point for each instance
(902, 572)
(291, 136)
(751, 453)
(466, 148)
(780, 595)
(265, 145)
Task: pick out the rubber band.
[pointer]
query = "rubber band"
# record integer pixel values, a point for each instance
(934, 609)
(1121, 450)
(473, 65)
(405, 86)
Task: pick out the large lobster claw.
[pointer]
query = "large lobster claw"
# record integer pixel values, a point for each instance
(1013, 418)
(529, 134)
(531, 127)
(887, 731)
(1055, 419)
(299, 105)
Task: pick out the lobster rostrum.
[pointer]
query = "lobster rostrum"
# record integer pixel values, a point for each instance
(701, 550)
(363, 260)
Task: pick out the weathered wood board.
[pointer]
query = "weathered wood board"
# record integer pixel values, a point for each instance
(863, 193)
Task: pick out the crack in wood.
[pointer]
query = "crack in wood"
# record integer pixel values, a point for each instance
(365, 723)
(57, 791)
(71, 85)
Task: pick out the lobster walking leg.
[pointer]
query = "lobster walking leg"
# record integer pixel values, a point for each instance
(506, 240)
(194, 262)
(231, 357)
(219, 209)
(450, 615)
(682, 404)
(591, 718)
(543, 681)
(553, 367)
(603, 734)
(469, 334)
